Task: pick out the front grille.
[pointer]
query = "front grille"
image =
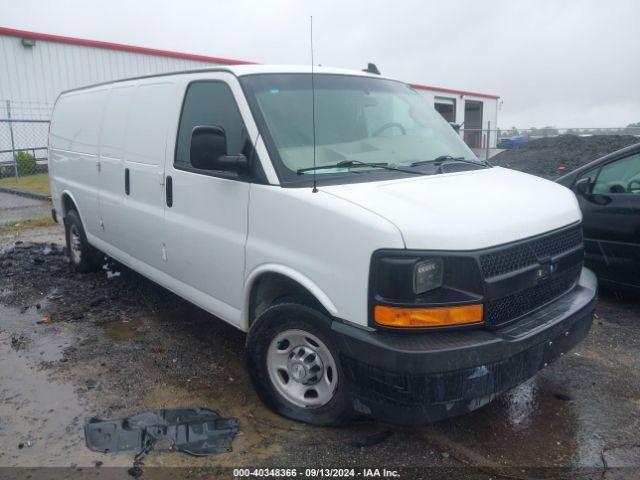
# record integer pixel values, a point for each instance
(504, 309)
(527, 253)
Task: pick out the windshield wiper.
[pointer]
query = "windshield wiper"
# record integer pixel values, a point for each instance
(357, 163)
(448, 158)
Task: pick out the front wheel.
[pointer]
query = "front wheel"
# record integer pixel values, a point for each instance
(295, 367)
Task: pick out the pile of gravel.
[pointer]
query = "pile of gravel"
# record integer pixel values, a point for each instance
(552, 157)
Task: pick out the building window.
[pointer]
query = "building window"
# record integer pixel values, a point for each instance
(446, 107)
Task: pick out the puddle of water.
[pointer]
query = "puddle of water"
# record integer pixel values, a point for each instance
(543, 424)
(45, 341)
(41, 419)
(527, 426)
(522, 405)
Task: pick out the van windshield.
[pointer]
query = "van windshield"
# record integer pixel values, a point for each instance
(359, 121)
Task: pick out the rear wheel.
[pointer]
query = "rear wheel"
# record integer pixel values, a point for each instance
(83, 256)
(295, 367)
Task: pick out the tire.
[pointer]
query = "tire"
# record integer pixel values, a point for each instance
(308, 331)
(83, 256)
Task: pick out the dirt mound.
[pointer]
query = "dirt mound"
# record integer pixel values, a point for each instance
(552, 157)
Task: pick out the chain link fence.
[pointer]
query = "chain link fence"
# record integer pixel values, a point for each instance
(23, 147)
(533, 133)
(24, 128)
(26, 110)
(486, 143)
(481, 141)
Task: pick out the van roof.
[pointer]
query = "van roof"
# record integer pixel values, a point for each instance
(241, 70)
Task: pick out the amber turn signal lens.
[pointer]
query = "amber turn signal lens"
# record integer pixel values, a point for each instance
(427, 317)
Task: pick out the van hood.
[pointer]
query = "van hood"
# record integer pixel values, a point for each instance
(466, 210)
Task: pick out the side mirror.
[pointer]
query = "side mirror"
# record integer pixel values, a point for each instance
(583, 186)
(209, 151)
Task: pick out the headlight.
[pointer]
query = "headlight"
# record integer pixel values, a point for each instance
(422, 288)
(427, 275)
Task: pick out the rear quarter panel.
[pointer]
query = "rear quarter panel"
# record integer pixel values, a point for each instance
(73, 151)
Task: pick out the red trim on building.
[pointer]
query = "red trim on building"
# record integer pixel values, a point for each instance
(119, 46)
(187, 56)
(450, 90)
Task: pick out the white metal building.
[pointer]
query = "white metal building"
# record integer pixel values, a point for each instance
(36, 67)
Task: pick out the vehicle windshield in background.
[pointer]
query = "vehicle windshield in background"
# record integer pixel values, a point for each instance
(359, 121)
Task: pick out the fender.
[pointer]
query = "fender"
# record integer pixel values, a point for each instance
(90, 238)
(73, 199)
(289, 272)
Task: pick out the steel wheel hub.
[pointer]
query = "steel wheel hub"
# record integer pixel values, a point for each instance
(305, 366)
(302, 368)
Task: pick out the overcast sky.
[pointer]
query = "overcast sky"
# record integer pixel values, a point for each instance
(553, 62)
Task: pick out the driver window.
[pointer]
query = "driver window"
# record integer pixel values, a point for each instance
(211, 103)
(621, 176)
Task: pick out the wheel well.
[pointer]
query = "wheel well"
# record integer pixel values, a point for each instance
(67, 204)
(270, 287)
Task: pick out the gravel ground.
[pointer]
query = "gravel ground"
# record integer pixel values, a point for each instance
(552, 157)
(112, 344)
(16, 208)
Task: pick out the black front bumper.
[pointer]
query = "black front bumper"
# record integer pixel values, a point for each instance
(421, 378)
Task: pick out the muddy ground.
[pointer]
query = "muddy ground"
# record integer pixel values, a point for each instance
(552, 157)
(117, 344)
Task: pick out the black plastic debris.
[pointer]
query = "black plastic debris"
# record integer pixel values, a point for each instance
(196, 431)
(374, 439)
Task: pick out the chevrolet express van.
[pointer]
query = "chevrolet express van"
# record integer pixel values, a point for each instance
(378, 267)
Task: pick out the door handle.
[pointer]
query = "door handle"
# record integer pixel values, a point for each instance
(127, 183)
(168, 189)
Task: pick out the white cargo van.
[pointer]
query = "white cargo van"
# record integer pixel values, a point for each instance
(377, 265)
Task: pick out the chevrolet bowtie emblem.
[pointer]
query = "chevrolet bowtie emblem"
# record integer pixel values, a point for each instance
(545, 270)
